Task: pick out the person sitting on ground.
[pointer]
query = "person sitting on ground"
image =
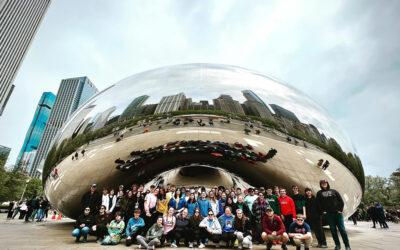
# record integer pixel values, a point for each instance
(194, 222)
(115, 229)
(273, 229)
(211, 229)
(182, 227)
(134, 227)
(227, 225)
(243, 231)
(102, 220)
(300, 232)
(153, 235)
(169, 222)
(83, 224)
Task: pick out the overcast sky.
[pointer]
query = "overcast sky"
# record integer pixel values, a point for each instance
(343, 54)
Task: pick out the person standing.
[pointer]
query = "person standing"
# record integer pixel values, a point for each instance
(250, 198)
(191, 204)
(150, 203)
(204, 204)
(314, 219)
(299, 201)
(259, 209)
(92, 199)
(112, 201)
(288, 208)
(373, 215)
(105, 200)
(331, 204)
(273, 202)
(11, 208)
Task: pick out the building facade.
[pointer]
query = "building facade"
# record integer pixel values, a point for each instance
(133, 108)
(19, 21)
(227, 104)
(170, 103)
(72, 93)
(35, 132)
(256, 105)
(282, 112)
(4, 153)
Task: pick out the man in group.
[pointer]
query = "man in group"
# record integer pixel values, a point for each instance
(299, 201)
(250, 198)
(300, 232)
(331, 204)
(134, 227)
(226, 221)
(273, 201)
(314, 219)
(288, 209)
(92, 199)
(273, 229)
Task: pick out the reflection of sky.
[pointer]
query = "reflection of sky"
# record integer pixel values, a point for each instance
(209, 81)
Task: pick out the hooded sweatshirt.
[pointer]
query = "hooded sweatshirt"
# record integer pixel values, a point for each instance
(226, 223)
(211, 225)
(329, 200)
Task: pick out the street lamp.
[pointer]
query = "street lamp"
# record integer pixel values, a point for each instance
(26, 185)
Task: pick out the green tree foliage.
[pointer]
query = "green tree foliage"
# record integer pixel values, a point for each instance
(383, 190)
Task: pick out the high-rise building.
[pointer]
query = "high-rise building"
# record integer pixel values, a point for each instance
(282, 112)
(4, 152)
(256, 105)
(227, 104)
(19, 21)
(72, 93)
(171, 103)
(35, 132)
(133, 108)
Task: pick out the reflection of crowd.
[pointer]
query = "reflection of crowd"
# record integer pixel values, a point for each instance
(223, 150)
(194, 216)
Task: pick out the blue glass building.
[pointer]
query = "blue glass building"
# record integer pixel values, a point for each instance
(35, 132)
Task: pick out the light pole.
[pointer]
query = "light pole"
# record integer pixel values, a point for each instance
(26, 185)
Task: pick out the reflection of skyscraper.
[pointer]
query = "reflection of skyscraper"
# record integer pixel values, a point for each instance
(35, 132)
(72, 93)
(255, 105)
(171, 103)
(133, 108)
(19, 21)
(282, 112)
(227, 104)
(101, 119)
(4, 152)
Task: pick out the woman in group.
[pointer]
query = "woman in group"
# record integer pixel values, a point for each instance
(102, 220)
(153, 235)
(230, 203)
(178, 201)
(194, 226)
(182, 227)
(169, 222)
(222, 203)
(213, 202)
(104, 199)
(128, 206)
(112, 201)
(115, 229)
(243, 231)
(192, 204)
(259, 209)
(211, 229)
(120, 196)
(162, 203)
(83, 225)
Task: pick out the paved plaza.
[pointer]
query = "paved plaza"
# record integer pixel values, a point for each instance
(15, 234)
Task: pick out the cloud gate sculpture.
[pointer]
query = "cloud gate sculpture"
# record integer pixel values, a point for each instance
(200, 124)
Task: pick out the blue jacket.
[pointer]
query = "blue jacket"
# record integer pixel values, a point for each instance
(204, 205)
(191, 207)
(133, 226)
(221, 205)
(227, 223)
(173, 203)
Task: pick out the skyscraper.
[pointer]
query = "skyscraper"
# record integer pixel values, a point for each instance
(282, 112)
(256, 105)
(4, 152)
(19, 20)
(171, 103)
(35, 132)
(133, 108)
(227, 104)
(72, 93)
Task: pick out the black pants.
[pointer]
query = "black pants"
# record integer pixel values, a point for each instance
(28, 214)
(22, 214)
(229, 238)
(287, 220)
(101, 231)
(170, 236)
(316, 226)
(204, 234)
(194, 236)
(181, 234)
(10, 213)
(130, 241)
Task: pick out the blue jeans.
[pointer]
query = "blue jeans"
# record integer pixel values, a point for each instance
(40, 214)
(335, 220)
(78, 232)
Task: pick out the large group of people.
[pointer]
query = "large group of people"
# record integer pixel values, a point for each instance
(196, 216)
(32, 209)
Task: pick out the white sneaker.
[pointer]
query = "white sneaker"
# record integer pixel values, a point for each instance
(139, 246)
(201, 245)
(190, 245)
(240, 247)
(174, 245)
(216, 245)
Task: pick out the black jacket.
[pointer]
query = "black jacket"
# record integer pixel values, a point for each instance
(243, 226)
(311, 208)
(88, 220)
(329, 200)
(91, 200)
(182, 224)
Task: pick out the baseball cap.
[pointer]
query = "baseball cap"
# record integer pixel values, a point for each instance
(94, 185)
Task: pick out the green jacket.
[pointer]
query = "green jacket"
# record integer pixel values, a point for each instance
(155, 231)
(273, 202)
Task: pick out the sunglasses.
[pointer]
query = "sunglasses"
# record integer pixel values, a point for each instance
(300, 220)
(210, 214)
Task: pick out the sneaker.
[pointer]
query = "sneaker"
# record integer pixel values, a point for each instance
(76, 240)
(201, 245)
(190, 245)
(240, 247)
(348, 248)
(174, 245)
(139, 246)
(323, 246)
(337, 247)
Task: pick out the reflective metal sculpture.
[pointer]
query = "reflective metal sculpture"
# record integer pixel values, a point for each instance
(177, 123)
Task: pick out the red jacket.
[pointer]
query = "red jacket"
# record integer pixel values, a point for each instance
(275, 224)
(287, 206)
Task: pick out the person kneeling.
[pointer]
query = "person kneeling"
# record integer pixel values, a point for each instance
(243, 231)
(153, 235)
(273, 229)
(83, 225)
(211, 230)
(134, 227)
(300, 232)
(115, 229)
